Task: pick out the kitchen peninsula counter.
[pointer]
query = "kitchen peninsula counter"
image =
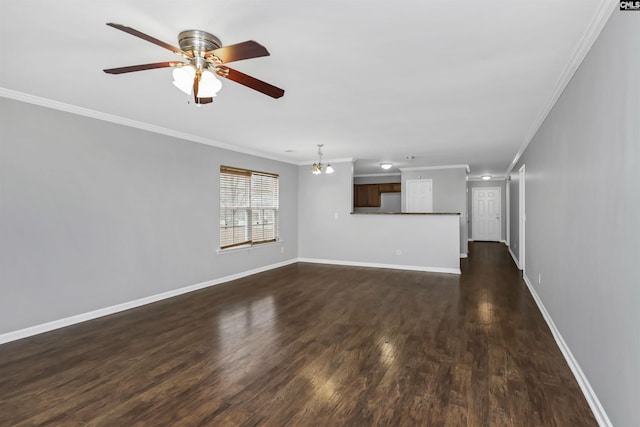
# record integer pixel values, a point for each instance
(411, 241)
(405, 213)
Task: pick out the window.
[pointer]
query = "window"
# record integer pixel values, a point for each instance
(248, 207)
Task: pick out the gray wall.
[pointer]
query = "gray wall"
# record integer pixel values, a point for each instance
(449, 194)
(503, 204)
(93, 214)
(582, 213)
(376, 179)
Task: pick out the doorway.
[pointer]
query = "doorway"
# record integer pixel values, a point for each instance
(486, 215)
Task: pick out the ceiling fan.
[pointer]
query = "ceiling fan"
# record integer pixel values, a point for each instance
(204, 56)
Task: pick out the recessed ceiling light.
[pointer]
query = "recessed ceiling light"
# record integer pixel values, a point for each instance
(486, 177)
(385, 166)
(410, 157)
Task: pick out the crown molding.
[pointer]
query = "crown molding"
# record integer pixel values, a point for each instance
(589, 37)
(368, 175)
(324, 161)
(424, 168)
(86, 112)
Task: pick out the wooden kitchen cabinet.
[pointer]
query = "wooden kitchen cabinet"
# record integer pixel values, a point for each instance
(368, 195)
(390, 187)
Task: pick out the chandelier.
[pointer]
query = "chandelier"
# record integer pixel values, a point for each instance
(316, 169)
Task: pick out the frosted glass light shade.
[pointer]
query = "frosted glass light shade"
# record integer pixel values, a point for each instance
(183, 78)
(209, 85)
(329, 169)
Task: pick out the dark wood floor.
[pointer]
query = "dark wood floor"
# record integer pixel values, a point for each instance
(307, 345)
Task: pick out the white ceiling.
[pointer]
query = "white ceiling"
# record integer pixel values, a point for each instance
(449, 82)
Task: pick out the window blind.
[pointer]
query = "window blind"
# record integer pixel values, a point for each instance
(249, 204)
(264, 207)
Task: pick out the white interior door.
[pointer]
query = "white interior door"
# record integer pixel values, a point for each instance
(485, 213)
(419, 195)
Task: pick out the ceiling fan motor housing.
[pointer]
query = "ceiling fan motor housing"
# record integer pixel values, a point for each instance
(198, 42)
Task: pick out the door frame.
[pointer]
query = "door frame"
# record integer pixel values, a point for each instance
(507, 212)
(473, 228)
(522, 218)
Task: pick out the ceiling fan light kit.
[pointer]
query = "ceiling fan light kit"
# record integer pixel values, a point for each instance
(205, 55)
(208, 86)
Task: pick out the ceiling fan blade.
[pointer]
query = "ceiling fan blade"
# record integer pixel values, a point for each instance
(236, 52)
(142, 67)
(204, 100)
(196, 85)
(251, 82)
(150, 39)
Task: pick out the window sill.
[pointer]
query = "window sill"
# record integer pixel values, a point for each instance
(248, 247)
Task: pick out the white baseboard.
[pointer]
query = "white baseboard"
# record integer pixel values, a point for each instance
(83, 317)
(464, 255)
(589, 394)
(514, 258)
(379, 265)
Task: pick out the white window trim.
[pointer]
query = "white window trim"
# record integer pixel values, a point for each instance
(248, 247)
(250, 208)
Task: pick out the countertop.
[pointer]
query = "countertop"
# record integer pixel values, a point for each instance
(405, 213)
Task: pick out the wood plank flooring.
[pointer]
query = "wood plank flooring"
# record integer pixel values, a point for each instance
(307, 345)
